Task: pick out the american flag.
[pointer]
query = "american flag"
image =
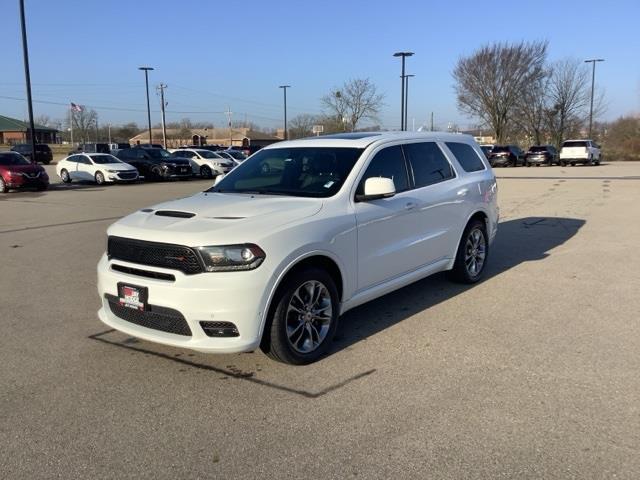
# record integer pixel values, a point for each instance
(76, 108)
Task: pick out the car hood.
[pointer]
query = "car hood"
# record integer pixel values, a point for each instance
(31, 168)
(116, 166)
(215, 218)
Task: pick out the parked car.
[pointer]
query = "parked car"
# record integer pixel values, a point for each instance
(155, 163)
(43, 152)
(18, 172)
(205, 163)
(506, 155)
(273, 259)
(148, 145)
(586, 152)
(486, 149)
(237, 155)
(94, 148)
(541, 154)
(95, 167)
(227, 155)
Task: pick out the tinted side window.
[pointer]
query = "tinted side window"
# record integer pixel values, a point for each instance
(466, 156)
(388, 163)
(72, 158)
(428, 163)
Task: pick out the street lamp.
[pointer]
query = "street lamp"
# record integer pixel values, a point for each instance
(146, 80)
(406, 99)
(402, 104)
(284, 88)
(593, 81)
(27, 78)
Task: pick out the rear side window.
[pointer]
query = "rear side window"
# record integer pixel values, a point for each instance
(574, 144)
(466, 156)
(388, 163)
(428, 163)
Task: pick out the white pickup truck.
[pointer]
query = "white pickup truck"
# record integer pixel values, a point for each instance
(580, 151)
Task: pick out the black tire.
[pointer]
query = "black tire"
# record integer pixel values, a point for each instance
(461, 272)
(573, 164)
(155, 173)
(563, 164)
(527, 164)
(206, 172)
(275, 341)
(99, 176)
(3, 186)
(64, 175)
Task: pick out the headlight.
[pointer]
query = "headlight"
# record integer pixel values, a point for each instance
(113, 171)
(227, 258)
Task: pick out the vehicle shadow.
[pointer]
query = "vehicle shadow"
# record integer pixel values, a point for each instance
(520, 240)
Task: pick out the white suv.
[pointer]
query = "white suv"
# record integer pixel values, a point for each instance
(295, 236)
(580, 151)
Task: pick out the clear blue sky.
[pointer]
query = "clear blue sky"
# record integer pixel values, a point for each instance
(215, 54)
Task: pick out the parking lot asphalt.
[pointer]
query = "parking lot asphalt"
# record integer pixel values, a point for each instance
(532, 373)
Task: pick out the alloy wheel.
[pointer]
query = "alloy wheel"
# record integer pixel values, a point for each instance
(308, 316)
(475, 252)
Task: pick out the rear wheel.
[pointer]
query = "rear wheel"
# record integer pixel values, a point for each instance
(3, 186)
(64, 175)
(305, 318)
(473, 252)
(573, 164)
(206, 172)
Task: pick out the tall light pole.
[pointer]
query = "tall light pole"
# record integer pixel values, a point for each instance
(146, 81)
(161, 88)
(27, 78)
(284, 88)
(406, 99)
(403, 55)
(593, 81)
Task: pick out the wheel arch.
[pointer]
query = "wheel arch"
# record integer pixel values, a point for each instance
(475, 215)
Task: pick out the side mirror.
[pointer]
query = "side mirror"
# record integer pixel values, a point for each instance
(376, 188)
(218, 179)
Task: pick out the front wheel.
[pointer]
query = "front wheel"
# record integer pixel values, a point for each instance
(206, 172)
(3, 186)
(472, 255)
(100, 178)
(305, 318)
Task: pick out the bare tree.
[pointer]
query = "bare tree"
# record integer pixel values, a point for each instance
(490, 82)
(43, 120)
(355, 100)
(569, 96)
(302, 125)
(84, 124)
(532, 109)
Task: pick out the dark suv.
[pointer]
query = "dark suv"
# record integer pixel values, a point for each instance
(43, 152)
(506, 155)
(541, 154)
(155, 163)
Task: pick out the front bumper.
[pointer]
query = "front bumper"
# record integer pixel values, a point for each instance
(15, 182)
(236, 297)
(121, 177)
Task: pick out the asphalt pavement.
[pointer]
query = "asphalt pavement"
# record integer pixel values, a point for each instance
(532, 373)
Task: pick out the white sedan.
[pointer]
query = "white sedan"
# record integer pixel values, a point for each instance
(95, 167)
(205, 162)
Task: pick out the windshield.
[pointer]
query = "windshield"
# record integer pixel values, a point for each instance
(299, 172)
(225, 155)
(538, 149)
(500, 149)
(104, 159)
(158, 153)
(12, 158)
(574, 144)
(237, 155)
(207, 154)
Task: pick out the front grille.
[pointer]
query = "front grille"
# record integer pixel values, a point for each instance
(127, 175)
(157, 318)
(220, 329)
(165, 255)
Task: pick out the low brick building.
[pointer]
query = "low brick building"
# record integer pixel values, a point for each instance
(239, 137)
(14, 131)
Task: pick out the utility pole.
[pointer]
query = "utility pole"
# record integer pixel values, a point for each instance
(284, 87)
(593, 81)
(406, 100)
(146, 80)
(27, 78)
(229, 113)
(432, 121)
(161, 87)
(403, 55)
(109, 129)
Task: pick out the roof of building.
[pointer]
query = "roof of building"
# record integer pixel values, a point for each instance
(211, 134)
(8, 124)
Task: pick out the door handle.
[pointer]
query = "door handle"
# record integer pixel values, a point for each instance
(462, 192)
(410, 205)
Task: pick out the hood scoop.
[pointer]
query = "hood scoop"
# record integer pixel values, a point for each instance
(175, 214)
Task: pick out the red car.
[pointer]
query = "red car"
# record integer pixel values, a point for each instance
(18, 172)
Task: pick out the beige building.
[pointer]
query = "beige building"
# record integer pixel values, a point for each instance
(240, 137)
